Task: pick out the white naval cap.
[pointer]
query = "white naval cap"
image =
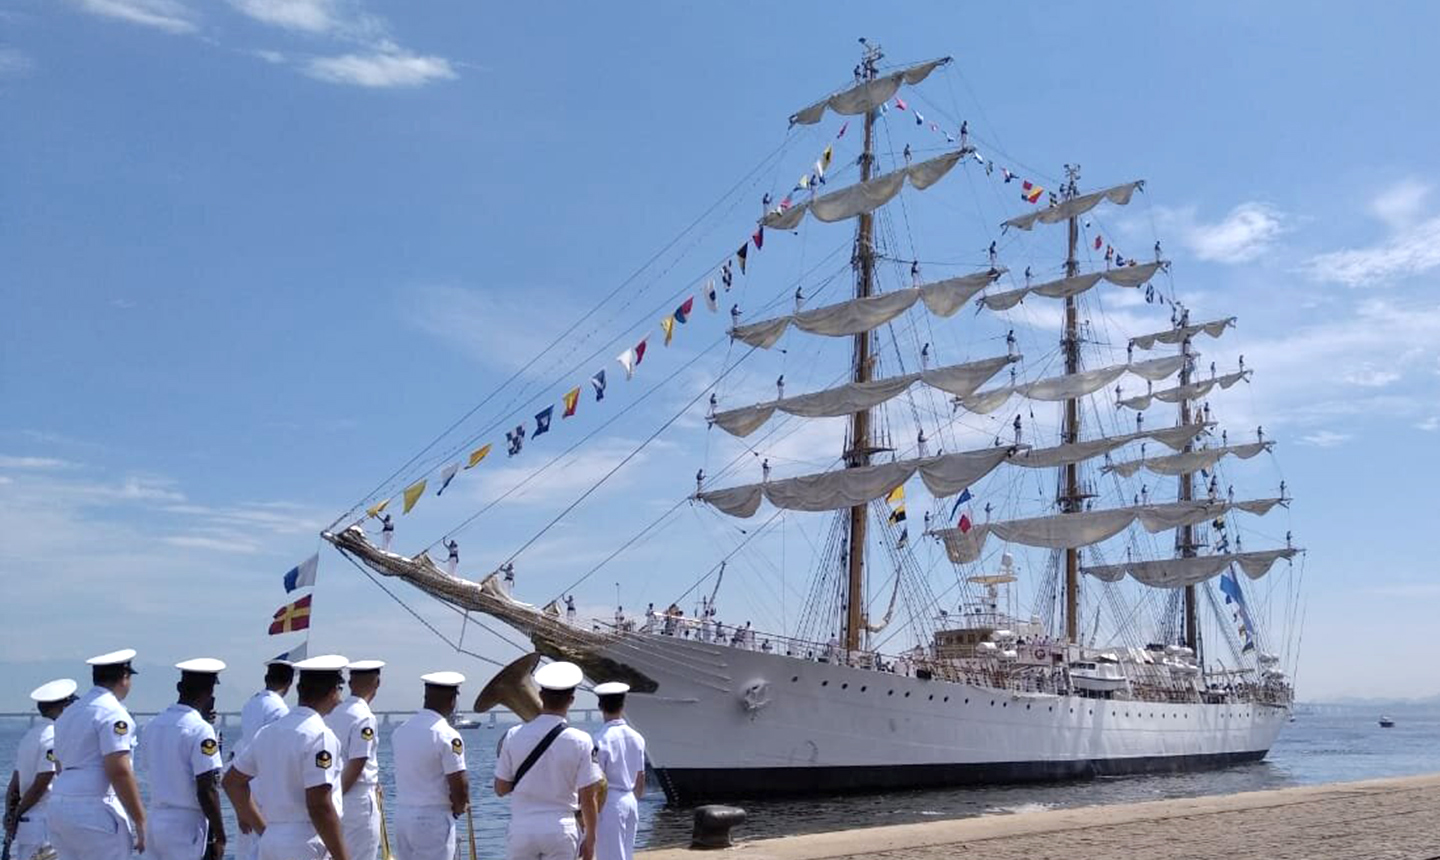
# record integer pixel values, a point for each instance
(443, 679)
(201, 666)
(323, 663)
(278, 661)
(559, 676)
(55, 691)
(366, 666)
(611, 688)
(114, 658)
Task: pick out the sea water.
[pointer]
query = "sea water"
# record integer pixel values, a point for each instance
(1322, 745)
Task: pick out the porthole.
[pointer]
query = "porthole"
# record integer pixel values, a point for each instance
(890, 693)
(1092, 712)
(967, 701)
(947, 698)
(845, 686)
(794, 678)
(1027, 707)
(1004, 704)
(992, 703)
(907, 694)
(824, 683)
(1072, 710)
(863, 688)
(932, 697)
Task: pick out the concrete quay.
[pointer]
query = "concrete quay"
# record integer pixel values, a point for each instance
(1384, 819)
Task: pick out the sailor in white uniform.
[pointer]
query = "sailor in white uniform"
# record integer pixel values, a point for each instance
(180, 757)
(550, 769)
(95, 808)
(286, 784)
(25, 800)
(622, 758)
(432, 786)
(354, 726)
(262, 709)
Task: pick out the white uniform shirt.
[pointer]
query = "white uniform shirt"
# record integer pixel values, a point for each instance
(622, 755)
(34, 756)
(354, 726)
(95, 726)
(288, 756)
(175, 747)
(548, 795)
(427, 749)
(262, 709)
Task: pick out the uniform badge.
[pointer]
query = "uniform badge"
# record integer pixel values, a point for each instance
(322, 759)
(457, 746)
(122, 727)
(50, 755)
(209, 746)
(367, 733)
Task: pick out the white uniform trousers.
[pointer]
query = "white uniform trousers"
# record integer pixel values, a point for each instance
(360, 823)
(30, 834)
(291, 840)
(615, 831)
(246, 845)
(561, 843)
(175, 833)
(425, 833)
(89, 828)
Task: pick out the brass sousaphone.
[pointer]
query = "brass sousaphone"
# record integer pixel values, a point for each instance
(514, 688)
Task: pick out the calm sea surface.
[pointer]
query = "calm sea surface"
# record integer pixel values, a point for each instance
(1325, 745)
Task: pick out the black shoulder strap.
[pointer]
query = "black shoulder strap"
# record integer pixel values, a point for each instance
(535, 754)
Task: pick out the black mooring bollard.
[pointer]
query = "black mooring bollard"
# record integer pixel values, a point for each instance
(712, 825)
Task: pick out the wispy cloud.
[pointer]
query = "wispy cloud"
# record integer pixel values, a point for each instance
(306, 16)
(393, 67)
(11, 462)
(235, 545)
(14, 63)
(1325, 439)
(1412, 248)
(1429, 425)
(171, 16)
(1246, 232)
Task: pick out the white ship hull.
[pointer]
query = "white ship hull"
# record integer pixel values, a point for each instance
(815, 728)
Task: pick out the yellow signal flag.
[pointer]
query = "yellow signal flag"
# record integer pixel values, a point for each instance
(571, 401)
(413, 494)
(477, 455)
(668, 326)
(375, 510)
(896, 496)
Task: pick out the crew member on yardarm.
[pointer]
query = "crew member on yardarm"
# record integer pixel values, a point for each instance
(622, 759)
(432, 786)
(29, 789)
(354, 726)
(95, 807)
(551, 770)
(286, 784)
(260, 710)
(179, 755)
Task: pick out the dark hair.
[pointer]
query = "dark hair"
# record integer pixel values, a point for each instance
(316, 685)
(51, 710)
(611, 703)
(279, 674)
(104, 676)
(556, 699)
(193, 684)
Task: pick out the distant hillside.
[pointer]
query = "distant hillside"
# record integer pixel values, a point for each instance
(1376, 702)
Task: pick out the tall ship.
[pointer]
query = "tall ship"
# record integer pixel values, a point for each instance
(1024, 559)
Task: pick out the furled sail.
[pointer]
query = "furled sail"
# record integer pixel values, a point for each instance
(1071, 531)
(1119, 194)
(1178, 572)
(942, 298)
(1071, 384)
(944, 475)
(1192, 391)
(1214, 328)
(867, 96)
(958, 379)
(1062, 455)
(1189, 461)
(1125, 276)
(866, 196)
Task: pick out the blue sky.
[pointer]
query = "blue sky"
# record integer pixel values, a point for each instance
(257, 253)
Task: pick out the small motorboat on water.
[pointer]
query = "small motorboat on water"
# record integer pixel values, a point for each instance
(462, 723)
(1387, 723)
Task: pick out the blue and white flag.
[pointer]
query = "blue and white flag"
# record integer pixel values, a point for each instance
(542, 421)
(302, 575)
(964, 497)
(1230, 587)
(598, 382)
(446, 476)
(296, 654)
